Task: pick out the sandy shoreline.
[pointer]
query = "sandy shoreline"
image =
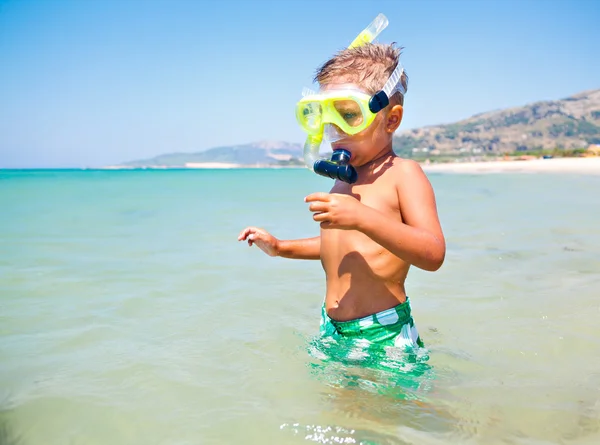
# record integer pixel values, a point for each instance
(211, 165)
(554, 165)
(589, 165)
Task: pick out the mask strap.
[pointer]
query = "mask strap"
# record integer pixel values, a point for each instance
(394, 82)
(307, 92)
(381, 99)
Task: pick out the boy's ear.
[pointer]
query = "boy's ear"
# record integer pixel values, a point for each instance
(394, 118)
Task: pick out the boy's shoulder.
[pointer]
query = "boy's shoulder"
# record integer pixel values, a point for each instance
(402, 168)
(408, 176)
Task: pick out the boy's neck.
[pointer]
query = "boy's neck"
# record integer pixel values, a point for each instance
(381, 158)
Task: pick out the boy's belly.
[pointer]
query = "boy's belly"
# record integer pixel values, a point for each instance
(363, 278)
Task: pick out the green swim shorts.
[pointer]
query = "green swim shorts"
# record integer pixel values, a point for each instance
(391, 327)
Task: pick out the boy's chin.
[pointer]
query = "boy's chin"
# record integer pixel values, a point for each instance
(359, 164)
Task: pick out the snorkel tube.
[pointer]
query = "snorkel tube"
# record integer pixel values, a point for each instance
(371, 32)
(338, 166)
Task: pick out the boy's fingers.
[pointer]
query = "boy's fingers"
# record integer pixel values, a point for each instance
(321, 216)
(247, 231)
(318, 196)
(328, 225)
(318, 206)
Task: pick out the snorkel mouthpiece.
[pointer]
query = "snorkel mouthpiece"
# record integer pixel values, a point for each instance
(338, 167)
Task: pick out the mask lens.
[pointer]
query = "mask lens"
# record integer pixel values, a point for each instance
(312, 113)
(350, 112)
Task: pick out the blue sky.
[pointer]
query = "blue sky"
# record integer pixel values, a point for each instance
(91, 83)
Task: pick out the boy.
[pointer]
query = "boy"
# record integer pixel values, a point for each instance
(374, 229)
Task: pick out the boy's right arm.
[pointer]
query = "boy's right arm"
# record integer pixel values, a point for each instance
(300, 249)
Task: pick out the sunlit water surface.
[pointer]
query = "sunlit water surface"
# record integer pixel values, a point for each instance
(130, 314)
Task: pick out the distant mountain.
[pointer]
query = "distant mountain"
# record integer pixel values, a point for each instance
(260, 153)
(569, 123)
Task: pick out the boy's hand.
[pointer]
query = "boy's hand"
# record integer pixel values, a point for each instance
(335, 211)
(263, 239)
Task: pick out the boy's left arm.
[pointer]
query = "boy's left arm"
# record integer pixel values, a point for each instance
(418, 239)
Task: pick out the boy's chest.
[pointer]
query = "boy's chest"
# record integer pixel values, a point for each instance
(336, 244)
(382, 197)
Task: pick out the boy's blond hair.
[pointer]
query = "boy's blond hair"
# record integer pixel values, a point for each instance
(368, 66)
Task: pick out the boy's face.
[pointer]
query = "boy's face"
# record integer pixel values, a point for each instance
(376, 138)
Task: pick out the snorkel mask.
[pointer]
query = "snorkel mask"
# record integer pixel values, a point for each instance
(323, 115)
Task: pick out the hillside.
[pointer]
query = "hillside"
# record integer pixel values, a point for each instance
(569, 123)
(261, 153)
(565, 124)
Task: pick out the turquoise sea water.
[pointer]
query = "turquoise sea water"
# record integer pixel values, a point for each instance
(130, 314)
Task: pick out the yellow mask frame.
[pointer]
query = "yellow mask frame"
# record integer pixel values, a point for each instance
(348, 109)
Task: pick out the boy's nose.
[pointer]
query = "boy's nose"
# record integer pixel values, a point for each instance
(338, 130)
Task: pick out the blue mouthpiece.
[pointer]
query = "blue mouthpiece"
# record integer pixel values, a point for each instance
(337, 167)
